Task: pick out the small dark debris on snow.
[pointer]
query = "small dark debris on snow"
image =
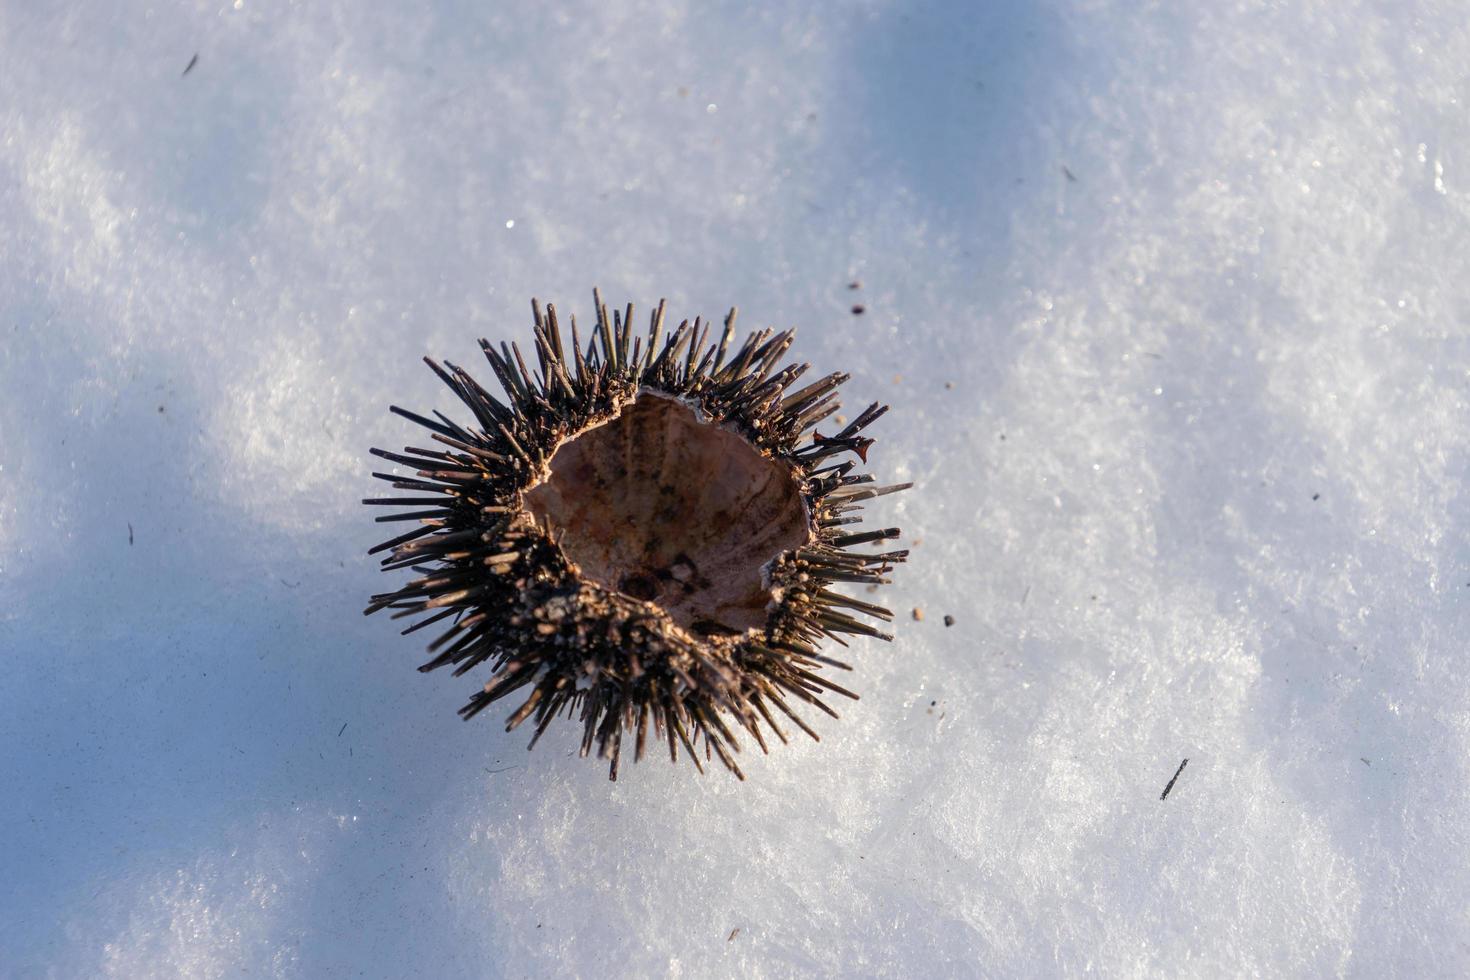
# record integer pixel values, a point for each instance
(160, 410)
(1071, 177)
(1165, 794)
(855, 284)
(192, 62)
(1316, 496)
(1365, 762)
(858, 309)
(918, 615)
(342, 729)
(733, 933)
(130, 533)
(948, 620)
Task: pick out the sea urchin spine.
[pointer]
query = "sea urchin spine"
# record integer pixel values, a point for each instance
(646, 533)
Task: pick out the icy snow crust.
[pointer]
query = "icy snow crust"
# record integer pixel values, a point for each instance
(1198, 274)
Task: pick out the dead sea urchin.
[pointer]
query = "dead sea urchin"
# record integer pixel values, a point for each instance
(646, 532)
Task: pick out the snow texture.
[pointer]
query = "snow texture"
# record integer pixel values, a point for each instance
(1170, 301)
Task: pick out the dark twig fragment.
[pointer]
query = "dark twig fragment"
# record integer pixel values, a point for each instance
(1165, 794)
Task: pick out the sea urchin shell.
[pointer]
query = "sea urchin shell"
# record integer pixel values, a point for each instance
(646, 532)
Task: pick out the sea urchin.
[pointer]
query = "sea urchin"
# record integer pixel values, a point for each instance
(646, 531)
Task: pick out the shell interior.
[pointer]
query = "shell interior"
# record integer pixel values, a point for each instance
(664, 506)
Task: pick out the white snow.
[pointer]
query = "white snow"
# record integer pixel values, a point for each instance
(1198, 274)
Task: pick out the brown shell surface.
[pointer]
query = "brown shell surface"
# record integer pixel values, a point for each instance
(672, 510)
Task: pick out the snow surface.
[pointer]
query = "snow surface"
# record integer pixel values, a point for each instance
(1197, 273)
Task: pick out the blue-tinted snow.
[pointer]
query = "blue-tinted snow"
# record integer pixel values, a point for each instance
(1198, 274)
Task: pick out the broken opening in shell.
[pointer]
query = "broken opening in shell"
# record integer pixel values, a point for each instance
(663, 506)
